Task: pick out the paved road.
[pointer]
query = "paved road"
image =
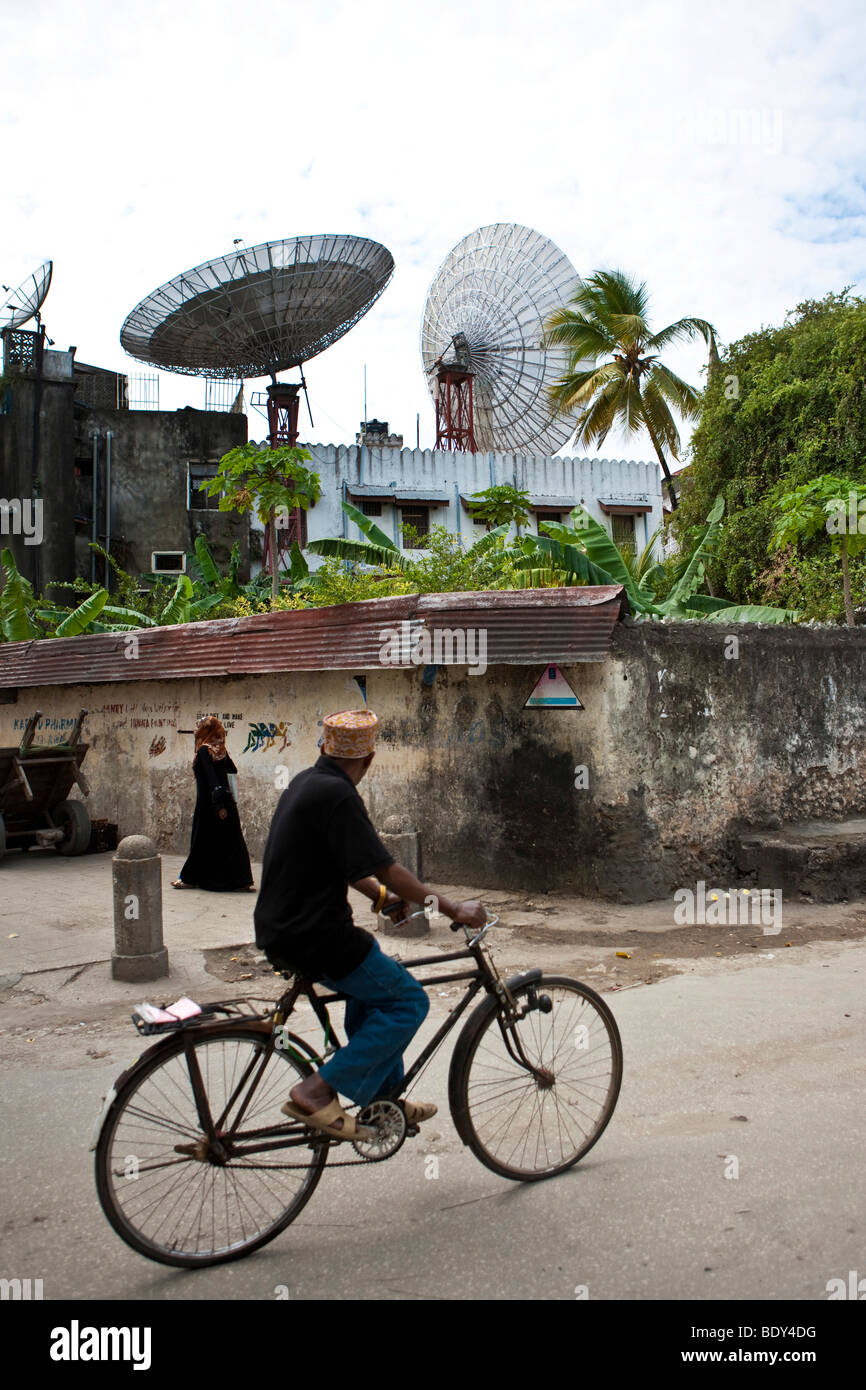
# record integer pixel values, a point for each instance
(649, 1214)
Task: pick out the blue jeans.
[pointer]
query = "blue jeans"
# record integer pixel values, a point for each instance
(384, 1010)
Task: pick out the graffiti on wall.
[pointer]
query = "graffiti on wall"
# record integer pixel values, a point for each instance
(54, 730)
(263, 736)
(228, 721)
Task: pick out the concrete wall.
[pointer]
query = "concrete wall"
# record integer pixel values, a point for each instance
(52, 478)
(579, 479)
(150, 452)
(683, 742)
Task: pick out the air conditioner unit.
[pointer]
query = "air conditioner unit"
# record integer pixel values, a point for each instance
(168, 562)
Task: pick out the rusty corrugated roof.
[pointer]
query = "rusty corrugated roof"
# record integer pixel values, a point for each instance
(522, 626)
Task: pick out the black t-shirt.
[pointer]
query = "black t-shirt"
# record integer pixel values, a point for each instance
(321, 840)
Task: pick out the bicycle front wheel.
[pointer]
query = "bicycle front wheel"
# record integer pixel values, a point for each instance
(530, 1124)
(181, 1197)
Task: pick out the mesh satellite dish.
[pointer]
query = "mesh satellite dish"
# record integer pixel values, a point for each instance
(481, 341)
(23, 304)
(261, 309)
(258, 311)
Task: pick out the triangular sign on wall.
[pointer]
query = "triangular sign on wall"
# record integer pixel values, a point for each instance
(552, 691)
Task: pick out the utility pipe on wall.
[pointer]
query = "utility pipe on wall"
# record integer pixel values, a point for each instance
(94, 534)
(109, 435)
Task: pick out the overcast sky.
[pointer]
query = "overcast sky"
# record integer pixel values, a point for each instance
(714, 151)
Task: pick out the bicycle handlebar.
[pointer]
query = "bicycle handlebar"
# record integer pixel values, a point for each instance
(455, 926)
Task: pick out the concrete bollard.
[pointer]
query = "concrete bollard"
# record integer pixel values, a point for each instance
(139, 953)
(405, 846)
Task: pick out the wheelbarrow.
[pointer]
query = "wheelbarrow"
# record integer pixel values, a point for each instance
(35, 783)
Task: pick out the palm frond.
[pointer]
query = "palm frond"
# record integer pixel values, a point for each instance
(683, 329)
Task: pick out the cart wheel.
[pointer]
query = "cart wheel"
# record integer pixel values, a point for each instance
(2, 837)
(72, 817)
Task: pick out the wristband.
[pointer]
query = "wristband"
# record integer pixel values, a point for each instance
(380, 900)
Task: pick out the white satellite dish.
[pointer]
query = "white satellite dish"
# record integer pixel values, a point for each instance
(23, 304)
(490, 301)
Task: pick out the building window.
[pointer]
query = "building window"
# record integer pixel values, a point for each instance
(167, 562)
(370, 506)
(418, 519)
(547, 516)
(622, 532)
(201, 501)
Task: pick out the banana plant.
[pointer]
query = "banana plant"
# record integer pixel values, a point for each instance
(584, 553)
(379, 549)
(206, 576)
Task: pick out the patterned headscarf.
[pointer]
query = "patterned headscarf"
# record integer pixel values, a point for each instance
(210, 734)
(350, 734)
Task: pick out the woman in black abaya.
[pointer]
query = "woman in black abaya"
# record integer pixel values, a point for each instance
(218, 858)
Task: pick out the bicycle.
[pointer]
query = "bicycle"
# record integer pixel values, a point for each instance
(190, 1140)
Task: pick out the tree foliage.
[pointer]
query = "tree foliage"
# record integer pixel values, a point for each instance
(786, 406)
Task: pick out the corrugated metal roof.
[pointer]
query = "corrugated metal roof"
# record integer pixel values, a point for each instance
(522, 626)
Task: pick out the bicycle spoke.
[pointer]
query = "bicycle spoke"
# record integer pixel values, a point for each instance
(194, 1208)
(530, 1123)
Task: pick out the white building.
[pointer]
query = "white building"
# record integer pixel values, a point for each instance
(426, 487)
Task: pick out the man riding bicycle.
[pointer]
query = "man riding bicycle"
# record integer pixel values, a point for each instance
(321, 840)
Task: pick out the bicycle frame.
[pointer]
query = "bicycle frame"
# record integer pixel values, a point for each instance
(483, 976)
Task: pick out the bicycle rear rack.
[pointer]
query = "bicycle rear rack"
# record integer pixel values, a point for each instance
(230, 1008)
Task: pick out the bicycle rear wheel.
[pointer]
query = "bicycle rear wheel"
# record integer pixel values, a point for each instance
(182, 1199)
(521, 1125)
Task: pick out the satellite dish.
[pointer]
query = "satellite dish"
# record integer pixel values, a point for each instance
(260, 309)
(23, 304)
(485, 314)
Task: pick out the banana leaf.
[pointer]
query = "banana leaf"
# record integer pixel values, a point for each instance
(489, 541)
(299, 569)
(177, 608)
(15, 602)
(591, 536)
(693, 575)
(369, 529)
(128, 617)
(209, 572)
(702, 603)
(559, 555)
(754, 613)
(80, 619)
(204, 605)
(357, 552)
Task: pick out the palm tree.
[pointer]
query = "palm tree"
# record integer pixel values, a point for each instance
(626, 384)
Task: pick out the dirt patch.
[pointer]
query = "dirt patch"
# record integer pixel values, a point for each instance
(234, 964)
(610, 950)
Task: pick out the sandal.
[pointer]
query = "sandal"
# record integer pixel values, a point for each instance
(417, 1111)
(179, 883)
(325, 1120)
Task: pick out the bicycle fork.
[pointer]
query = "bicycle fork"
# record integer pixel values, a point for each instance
(544, 1078)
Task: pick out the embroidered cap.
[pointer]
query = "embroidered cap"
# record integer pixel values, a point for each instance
(350, 734)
